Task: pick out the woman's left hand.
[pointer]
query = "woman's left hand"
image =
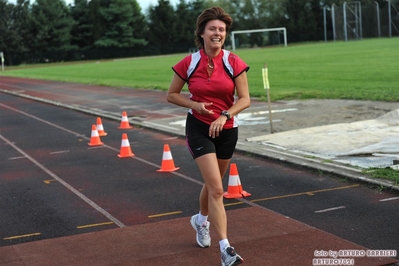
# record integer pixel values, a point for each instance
(217, 126)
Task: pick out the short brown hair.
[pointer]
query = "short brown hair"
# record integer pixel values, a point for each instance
(207, 15)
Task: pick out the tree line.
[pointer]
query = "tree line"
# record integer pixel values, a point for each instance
(51, 30)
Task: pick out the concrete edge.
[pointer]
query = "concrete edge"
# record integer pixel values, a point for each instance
(267, 152)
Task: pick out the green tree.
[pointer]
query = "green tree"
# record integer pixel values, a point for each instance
(5, 19)
(82, 34)
(116, 17)
(51, 25)
(22, 19)
(138, 22)
(301, 20)
(15, 35)
(98, 23)
(186, 19)
(162, 31)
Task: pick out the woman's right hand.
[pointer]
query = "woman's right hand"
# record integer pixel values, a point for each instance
(201, 108)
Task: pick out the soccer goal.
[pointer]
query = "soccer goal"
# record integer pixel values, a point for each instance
(278, 30)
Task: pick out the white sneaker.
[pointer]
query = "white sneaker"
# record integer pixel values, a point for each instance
(230, 257)
(202, 236)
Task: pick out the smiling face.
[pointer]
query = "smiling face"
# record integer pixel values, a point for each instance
(214, 35)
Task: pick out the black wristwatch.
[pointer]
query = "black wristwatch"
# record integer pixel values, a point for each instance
(226, 114)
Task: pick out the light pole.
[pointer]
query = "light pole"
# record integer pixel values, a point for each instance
(333, 20)
(378, 18)
(326, 7)
(389, 18)
(2, 60)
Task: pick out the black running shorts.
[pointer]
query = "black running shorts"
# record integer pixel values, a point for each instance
(199, 142)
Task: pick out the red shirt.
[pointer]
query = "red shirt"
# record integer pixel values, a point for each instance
(218, 88)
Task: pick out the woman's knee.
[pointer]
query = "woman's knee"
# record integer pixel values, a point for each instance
(215, 192)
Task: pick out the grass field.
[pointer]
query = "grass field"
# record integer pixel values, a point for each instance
(361, 70)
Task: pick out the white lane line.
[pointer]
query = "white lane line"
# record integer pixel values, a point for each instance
(159, 125)
(17, 158)
(170, 138)
(330, 209)
(65, 184)
(96, 147)
(58, 152)
(247, 114)
(43, 121)
(388, 199)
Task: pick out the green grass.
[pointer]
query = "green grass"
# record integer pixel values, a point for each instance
(361, 70)
(384, 173)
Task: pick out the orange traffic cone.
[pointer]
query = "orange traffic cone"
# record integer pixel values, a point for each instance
(95, 138)
(100, 128)
(126, 151)
(167, 161)
(235, 189)
(124, 122)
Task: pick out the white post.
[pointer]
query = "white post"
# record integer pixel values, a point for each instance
(233, 41)
(378, 18)
(333, 20)
(360, 20)
(389, 19)
(326, 7)
(267, 88)
(345, 31)
(2, 61)
(285, 36)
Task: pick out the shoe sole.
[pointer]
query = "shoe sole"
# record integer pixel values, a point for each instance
(237, 262)
(192, 222)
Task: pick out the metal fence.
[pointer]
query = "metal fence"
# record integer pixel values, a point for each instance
(354, 21)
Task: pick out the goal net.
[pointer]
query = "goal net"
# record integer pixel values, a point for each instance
(262, 37)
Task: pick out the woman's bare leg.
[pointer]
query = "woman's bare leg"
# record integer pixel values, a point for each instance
(211, 196)
(203, 198)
